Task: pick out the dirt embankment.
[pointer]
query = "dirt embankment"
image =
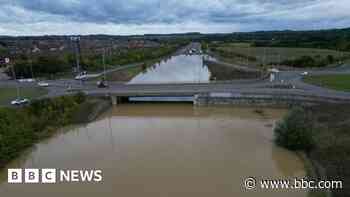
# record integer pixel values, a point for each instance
(222, 72)
(90, 110)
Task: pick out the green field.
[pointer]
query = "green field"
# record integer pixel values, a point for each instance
(9, 94)
(238, 53)
(339, 82)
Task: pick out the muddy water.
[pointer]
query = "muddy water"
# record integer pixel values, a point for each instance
(164, 150)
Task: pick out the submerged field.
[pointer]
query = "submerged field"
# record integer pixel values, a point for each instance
(339, 82)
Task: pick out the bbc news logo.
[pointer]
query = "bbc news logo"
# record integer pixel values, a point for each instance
(51, 176)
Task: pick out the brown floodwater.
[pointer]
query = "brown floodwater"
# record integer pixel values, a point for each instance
(164, 150)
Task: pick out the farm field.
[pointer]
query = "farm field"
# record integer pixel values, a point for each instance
(243, 53)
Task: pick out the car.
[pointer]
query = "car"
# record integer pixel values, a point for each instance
(274, 70)
(20, 101)
(43, 84)
(81, 76)
(102, 84)
(305, 73)
(26, 80)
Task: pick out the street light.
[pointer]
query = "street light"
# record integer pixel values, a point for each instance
(76, 40)
(7, 61)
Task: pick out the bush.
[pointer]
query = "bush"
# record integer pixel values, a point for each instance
(20, 128)
(295, 131)
(80, 97)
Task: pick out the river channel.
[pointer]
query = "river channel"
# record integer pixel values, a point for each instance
(164, 150)
(176, 69)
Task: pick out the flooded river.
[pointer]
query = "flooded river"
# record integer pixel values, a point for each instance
(176, 69)
(171, 150)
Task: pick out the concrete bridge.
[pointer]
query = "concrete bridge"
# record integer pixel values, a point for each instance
(246, 92)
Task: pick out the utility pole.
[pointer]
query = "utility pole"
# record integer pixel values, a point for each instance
(76, 41)
(15, 78)
(104, 65)
(31, 63)
(264, 59)
(14, 74)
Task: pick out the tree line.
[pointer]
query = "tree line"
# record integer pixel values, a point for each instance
(48, 64)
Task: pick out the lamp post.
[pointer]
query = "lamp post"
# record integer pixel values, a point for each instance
(31, 64)
(7, 61)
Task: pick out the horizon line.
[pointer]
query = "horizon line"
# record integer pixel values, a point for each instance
(167, 34)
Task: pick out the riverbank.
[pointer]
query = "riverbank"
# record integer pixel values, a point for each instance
(125, 75)
(21, 128)
(225, 72)
(9, 94)
(328, 147)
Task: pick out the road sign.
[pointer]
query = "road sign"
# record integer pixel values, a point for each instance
(7, 60)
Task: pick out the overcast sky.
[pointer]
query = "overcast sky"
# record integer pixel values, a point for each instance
(123, 17)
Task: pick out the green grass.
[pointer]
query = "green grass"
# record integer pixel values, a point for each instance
(339, 82)
(273, 54)
(125, 74)
(9, 94)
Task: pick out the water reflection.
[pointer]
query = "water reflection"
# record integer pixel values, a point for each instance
(165, 150)
(182, 68)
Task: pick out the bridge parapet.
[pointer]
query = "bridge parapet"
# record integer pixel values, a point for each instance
(261, 99)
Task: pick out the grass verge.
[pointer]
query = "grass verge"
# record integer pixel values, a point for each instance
(125, 75)
(9, 94)
(339, 82)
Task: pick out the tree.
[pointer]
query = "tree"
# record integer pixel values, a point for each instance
(295, 131)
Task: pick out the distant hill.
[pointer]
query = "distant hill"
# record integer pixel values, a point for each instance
(338, 39)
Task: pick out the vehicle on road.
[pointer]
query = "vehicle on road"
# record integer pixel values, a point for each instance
(102, 84)
(81, 76)
(26, 80)
(20, 101)
(305, 73)
(274, 70)
(43, 84)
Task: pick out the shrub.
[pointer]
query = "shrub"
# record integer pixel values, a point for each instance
(295, 131)
(80, 97)
(20, 128)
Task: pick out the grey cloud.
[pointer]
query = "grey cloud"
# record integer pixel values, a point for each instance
(203, 15)
(155, 11)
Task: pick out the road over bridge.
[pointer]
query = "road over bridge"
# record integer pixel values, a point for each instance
(250, 91)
